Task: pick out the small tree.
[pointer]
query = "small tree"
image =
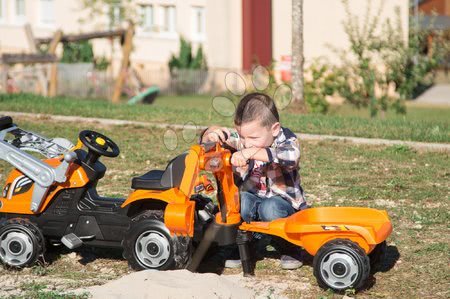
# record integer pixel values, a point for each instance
(381, 60)
(410, 67)
(364, 83)
(114, 11)
(384, 59)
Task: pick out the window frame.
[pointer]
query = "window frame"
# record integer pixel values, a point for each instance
(17, 19)
(3, 11)
(159, 19)
(144, 14)
(167, 16)
(198, 36)
(41, 22)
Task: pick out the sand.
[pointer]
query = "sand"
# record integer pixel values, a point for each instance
(177, 284)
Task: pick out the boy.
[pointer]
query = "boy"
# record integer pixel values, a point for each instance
(267, 159)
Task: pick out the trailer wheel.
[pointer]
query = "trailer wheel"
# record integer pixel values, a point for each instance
(21, 243)
(149, 245)
(341, 264)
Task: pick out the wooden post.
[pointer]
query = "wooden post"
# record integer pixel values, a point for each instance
(34, 50)
(52, 88)
(4, 78)
(126, 50)
(30, 38)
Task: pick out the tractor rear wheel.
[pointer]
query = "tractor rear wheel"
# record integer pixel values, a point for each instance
(149, 245)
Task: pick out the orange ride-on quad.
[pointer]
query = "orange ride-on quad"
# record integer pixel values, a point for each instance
(344, 241)
(54, 201)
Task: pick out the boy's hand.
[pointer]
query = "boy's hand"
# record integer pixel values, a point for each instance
(216, 134)
(239, 159)
(241, 170)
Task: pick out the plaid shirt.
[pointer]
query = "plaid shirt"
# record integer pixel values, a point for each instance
(280, 176)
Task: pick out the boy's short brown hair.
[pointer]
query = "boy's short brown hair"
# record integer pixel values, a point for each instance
(256, 106)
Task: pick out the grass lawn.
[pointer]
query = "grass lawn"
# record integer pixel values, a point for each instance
(427, 124)
(412, 186)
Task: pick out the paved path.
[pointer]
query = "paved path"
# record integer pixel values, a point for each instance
(443, 147)
(439, 95)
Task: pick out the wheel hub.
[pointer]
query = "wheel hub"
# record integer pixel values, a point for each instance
(152, 249)
(339, 270)
(15, 247)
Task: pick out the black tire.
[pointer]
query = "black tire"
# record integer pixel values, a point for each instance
(341, 264)
(149, 245)
(21, 243)
(377, 256)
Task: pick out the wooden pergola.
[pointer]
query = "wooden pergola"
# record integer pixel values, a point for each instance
(125, 35)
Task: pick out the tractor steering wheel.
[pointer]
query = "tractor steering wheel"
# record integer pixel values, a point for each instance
(99, 143)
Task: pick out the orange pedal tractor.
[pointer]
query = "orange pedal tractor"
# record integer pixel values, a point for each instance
(165, 222)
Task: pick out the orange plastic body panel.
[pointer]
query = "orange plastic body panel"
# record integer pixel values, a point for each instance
(20, 203)
(224, 174)
(179, 212)
(313, 227)
(179, 218)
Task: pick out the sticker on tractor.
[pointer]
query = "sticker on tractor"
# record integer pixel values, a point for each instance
(20, 185)
(334, 227)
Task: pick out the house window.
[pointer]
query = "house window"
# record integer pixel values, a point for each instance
(19, 11)
(2, 11)
(115, 13)
(148, 21)
(47, 15)
(168, 21)
(198, 26)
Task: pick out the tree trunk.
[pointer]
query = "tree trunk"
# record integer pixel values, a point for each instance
(297, 56)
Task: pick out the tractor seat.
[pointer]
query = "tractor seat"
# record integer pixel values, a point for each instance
(162, 179)
(5, 122)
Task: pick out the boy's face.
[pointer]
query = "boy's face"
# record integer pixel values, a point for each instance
(253, 134)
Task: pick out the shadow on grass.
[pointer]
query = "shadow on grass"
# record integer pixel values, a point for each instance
(390, 258)
(85, 254)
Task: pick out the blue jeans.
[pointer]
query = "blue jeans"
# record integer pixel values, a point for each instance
(255, 208)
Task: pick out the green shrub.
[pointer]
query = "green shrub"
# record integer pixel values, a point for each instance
(188, 72)
(323, 81)
(101, 63)
(186, 60)
(75, 52)
(409, 66)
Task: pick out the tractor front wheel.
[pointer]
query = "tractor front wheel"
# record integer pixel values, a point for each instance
(21, 243)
